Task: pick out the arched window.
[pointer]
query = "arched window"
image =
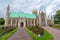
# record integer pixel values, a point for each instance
(26, 22)
(13, 21)
(32, 22)
(9, 21)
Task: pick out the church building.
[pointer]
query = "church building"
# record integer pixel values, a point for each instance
(22, 19)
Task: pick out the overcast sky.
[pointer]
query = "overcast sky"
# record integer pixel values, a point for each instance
(51, 6)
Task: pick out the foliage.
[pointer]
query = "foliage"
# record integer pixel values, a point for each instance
(5, 29)
(5, 36)
(57, 17)
(2, 21)
(37, 30)
(46, 36)
(56, 26)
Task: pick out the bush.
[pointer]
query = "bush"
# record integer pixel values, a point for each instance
(46, 36)
(37, 30)
(6, 29)
(2, 21)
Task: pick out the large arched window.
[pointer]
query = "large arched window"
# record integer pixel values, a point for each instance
(9, 21)
(26, 22)
(13, 21)
(32, 22)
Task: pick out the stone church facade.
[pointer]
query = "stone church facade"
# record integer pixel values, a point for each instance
(21, 19)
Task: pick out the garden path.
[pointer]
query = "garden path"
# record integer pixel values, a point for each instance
(55, 33)
(21, 34)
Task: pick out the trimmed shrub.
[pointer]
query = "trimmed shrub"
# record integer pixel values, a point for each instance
(56, 26)
(37, 30)
(6, 29)
(2, 21)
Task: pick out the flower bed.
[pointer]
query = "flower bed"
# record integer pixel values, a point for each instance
(5, 29)
(46, 36)
(8, 34)
(37, 30)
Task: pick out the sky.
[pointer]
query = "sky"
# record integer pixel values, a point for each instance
(51, 6)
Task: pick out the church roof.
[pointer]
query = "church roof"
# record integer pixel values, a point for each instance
(21, 15)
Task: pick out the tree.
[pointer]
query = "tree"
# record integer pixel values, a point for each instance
(2, 21)
(57, 17)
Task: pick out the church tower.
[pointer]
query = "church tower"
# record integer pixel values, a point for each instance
(7, 16)
(7, 11)
(36, 12)
(39, 18)
(52, 20)
(43, 18)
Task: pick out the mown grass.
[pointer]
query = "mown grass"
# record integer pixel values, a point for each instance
(1, 26)
(57, 26)
(5, 36)
(46, 36)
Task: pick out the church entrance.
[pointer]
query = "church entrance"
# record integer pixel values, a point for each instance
(22, 24)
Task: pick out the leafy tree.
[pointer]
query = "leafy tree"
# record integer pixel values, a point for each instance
(57, 17)
(2, 21)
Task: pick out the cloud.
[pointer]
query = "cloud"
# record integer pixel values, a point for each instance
(51, 9)
(3, 6)
(25, 5)
(51, 6)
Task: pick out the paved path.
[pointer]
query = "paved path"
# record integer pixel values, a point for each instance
(54, 32)
(21, 34)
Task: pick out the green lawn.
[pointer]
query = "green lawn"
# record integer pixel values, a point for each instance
(57, 26)
(1, 26)
(46, 36)
(5, 36)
